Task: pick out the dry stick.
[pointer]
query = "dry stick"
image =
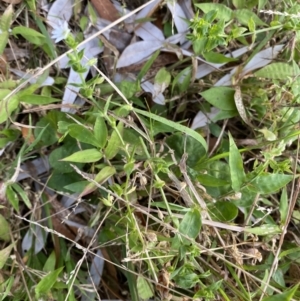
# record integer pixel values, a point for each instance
(293, 200)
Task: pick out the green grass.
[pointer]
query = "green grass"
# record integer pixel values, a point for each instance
(123, 198)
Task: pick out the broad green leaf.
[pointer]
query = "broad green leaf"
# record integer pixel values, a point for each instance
(38, 99)
(239, 3)
(217, 58)
(263, 230)
(220, 97)
(7, 106)
(30, 35)
(267, 183)
(47, 282)
(144, 288)
(285, 296)
(82, 134)
(8, 135)
(277, 71)
(104, 174)
(283, 206)
(175, 125)
(6, 19)
(128, 88)
(4, 229)
(236, 166)
(191, 224)
(224, 12)
(4, 254)
(115, 142)
(261, 4)
(244, 15)
(223, 211)
(85, 156)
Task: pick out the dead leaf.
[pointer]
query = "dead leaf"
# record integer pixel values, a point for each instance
(106, 10)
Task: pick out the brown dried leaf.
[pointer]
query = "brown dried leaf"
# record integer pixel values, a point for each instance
(106, 10)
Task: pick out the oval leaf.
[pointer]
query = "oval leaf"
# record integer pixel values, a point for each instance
(82, 134)
(191, 223)
(85, 156)
(224, 211)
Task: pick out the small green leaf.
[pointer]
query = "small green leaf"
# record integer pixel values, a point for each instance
(4, 229)
(237, 173)
(100, 178)
(4, 254)
(217, 58)
(220, 97)
(50, 263)
(191, 224)
(6, 18)
(269, 136)
(224, 12)
(82, 134)
(45, 285)
(239, 3)
(144, 288)
(223, 211)
(30, 35)
(162, 81)
(283, 206)
(115, 142)
(285, 296)
(100, 131)
(3, 40)
(12, 197)
(38, 99)
(183, 79)
(7, 106)
(22, 194)
(85, 156)
(267, 183)
(263, 230)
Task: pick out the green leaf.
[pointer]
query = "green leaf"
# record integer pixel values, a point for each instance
(223, 211)
(45, 285)
(236, 166)
(128, 88)
(82, 134)
(38, 99)
(85, 156)
(4, 229)
(239, 3)
(244, 16)
(147, 65)
(191, 224)
(7, 106)
(183, 79)
(277, 71)
(3, 40)
(220, 97)
(12, 197)
(22, 194)
(30, 35)
(4, 254)
(208, 180)
(8, 135)
(144, 288)
(115, 142)
(6, 19)
(267, 183)
(50, 263)
(263, 230)
(162, 80)
(285, 296)
(224, 12)
(283, 206)
(175, 125)
(217, 58)
(100, 178)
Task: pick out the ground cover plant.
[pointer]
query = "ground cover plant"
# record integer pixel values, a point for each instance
(149, 150)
